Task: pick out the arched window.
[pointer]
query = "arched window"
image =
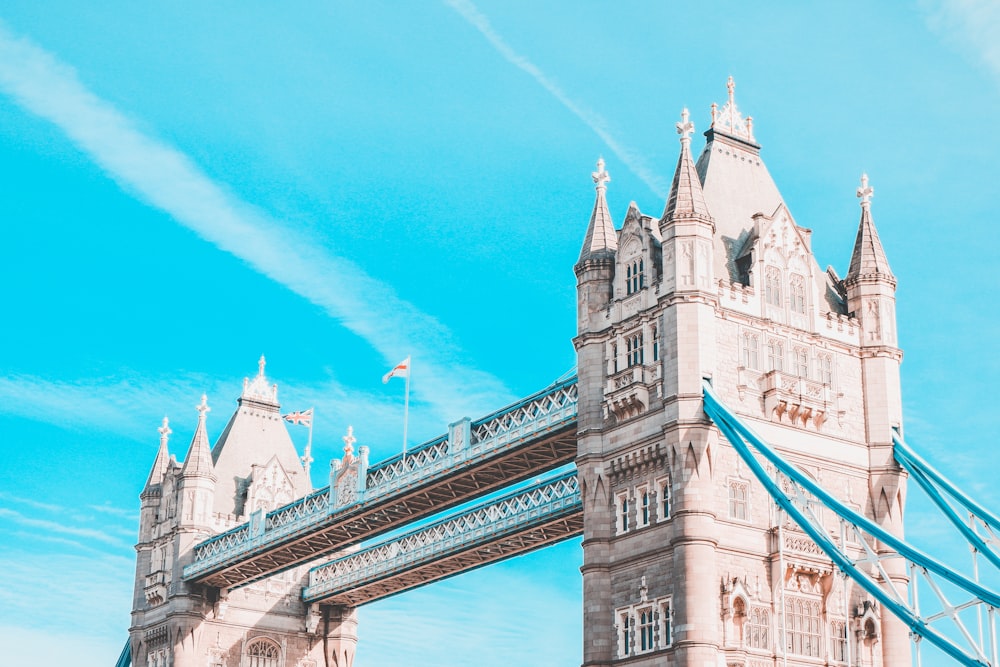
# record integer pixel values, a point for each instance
(802, 621)
(772, 285)
(825, 362)
(634, 276)
(665, 499)
(748, 349)
(645, 507)
(802, 362)
(797, 292)
(759, 629)
(262, 653)
(633, 349)
(646, 629)
(838, 641)
(656, 343)
(775, 355)
(738, 500)
(739, 618)
(614, 357)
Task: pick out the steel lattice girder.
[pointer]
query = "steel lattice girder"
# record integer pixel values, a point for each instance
(518, 460)
(528, 519)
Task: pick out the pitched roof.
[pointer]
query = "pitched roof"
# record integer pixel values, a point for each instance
(868, 260)
(601, 240)
(255, 433)
(686, 197)
(162, 460)
(199, 456)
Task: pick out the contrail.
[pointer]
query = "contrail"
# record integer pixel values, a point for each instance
(166, 178)
(632, 160)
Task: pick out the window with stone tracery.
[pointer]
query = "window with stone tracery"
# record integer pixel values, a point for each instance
(622, 507)
(262, 653)
(797, 293)
(758, 628)
(635, 276)
(749, 343)
(739, 506)
(825, 363)
(625, 631)
(838, 641)
(775, 355)
(802, 626)
(645, 629)
(633, 349)
(666, 623)
(664, 507)
(643, 496)
(772, 286)
(802, 362)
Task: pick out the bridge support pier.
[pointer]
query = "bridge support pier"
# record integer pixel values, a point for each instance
(340, 635)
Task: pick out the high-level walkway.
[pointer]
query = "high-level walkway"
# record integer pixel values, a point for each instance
(475, 458)
(544, 513)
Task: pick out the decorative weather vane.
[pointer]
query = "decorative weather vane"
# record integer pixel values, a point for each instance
(203, 407)
(349, 441)
(865, 192)
(600, 176)
(685, 128)
(164, 431)
(260, 365)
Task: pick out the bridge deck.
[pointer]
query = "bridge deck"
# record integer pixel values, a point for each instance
(525, 439)
(542, 514)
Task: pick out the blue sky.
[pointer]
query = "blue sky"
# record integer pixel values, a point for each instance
(340, 185)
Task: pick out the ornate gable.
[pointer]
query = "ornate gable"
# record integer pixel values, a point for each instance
(270, 486)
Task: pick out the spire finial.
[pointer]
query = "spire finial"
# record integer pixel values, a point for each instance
(600, 176)
(203, 407)
(731, 87)
(260, 366)
(165, 431)
(685, 128)
(865, 192)
(349, 441)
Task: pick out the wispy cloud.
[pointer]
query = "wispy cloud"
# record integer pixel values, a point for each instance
(969, 24)
(629, 157)
(61, 528)
(163, 177)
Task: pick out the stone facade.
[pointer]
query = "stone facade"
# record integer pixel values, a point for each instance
(686, 560)
(253, 468)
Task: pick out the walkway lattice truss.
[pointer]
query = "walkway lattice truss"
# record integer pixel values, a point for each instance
(956, 601)
(542, 514)
(516, 443)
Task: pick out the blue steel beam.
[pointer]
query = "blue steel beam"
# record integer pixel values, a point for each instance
(516, 443)
(544, 513)
(742, 438)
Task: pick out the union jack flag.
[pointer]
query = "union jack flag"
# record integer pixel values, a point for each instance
(303, 418)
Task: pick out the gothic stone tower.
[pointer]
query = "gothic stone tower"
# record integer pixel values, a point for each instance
(252, 468)
(686, 560)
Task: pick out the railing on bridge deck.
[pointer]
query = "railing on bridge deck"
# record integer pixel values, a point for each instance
(542, 514)
(526, 438)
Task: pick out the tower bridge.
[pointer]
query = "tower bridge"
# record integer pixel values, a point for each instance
(740, 469)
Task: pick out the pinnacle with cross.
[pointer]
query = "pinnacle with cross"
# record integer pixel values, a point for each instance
(203, 407)
(685, 128)
(865, 192)
(600, 176)
(165, 431)
(349, 441)
(260, 366)
(731, 87)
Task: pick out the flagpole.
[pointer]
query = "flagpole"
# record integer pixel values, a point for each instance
(406, 404)
(307, 459)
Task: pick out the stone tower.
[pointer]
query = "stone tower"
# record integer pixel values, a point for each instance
(253, 468)
(686, 560)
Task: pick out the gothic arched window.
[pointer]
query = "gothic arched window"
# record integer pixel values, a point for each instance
(759, 629)
(634, 276)
(798, 293)
(748, 350)
(775, 355)
(772, 285)
(633, 349)
(262, 653)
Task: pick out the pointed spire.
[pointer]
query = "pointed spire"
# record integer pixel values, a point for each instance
(162, 460)
(686, 198)
(199, 457)
(868, 261)
(729, 121)
(601, 240)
